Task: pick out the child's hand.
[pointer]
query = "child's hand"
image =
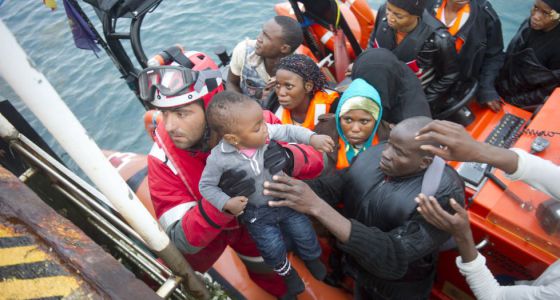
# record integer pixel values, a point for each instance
(321, 142)
(236, 205)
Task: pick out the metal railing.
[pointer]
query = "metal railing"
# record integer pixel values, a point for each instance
(98, 212)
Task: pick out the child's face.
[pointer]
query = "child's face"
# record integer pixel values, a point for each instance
(251, 129)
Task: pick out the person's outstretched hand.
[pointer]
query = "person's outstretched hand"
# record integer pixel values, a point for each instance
(456, 142)
(292, 193)
(234, 183)
(278, 158)
(456, 224)
(322, 143)
(494, 105)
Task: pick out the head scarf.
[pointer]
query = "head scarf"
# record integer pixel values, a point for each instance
(306, 68)
(358, 95)
(363, 103)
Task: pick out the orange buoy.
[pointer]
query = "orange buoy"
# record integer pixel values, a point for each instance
(364, 19)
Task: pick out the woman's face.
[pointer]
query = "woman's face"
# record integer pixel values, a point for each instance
(291, 90)
(357, 125)
(543, 17)
(399, 19)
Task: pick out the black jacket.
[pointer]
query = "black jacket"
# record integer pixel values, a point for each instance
(481, 56)
(391, 246)
(523, 79)
(401, 94)
(431, 48)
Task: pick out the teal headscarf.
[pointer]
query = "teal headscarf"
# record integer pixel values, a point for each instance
(356, 97)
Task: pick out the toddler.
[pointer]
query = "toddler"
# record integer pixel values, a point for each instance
(239, 121)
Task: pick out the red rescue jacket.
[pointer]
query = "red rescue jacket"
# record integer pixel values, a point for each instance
(173, 176)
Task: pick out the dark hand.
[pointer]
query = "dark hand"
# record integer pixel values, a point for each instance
(292, 193)
(234, 183)
(456, 224)
(494, 105)
(457, 144)
(278, 158)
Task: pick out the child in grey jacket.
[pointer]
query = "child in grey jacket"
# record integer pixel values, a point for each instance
(239, 120)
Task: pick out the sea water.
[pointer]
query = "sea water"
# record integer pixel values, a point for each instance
(91, 86)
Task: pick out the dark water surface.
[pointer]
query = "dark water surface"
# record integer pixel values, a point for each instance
(91, 86)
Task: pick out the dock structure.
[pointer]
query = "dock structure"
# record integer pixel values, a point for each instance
(45, 256)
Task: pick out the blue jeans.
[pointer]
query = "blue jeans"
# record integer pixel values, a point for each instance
(267, 226)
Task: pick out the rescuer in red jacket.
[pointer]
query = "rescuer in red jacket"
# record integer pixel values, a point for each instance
(177, 159)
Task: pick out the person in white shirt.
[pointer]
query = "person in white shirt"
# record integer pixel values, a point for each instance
(542, 174)
(253, 62)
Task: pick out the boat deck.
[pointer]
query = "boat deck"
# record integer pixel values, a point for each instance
(29, 269)
(44, 256)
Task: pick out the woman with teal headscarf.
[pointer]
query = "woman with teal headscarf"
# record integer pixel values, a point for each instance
(357, 118)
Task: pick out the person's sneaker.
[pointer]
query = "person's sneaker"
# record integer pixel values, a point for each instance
(294, 284)
(317, 268)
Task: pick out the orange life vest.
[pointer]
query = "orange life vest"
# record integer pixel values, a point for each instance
(151, 119)
(320, 104)
(342, 160)
(357, 13)
(302, 49)
(454, 29)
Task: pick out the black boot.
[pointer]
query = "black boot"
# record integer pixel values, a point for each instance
(294, 284)
(317, 268)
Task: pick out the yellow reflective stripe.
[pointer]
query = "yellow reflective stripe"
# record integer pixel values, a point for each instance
(21, 255)
(8, 232)
(38, 288)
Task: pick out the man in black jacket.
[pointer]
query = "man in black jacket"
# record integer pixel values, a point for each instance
(423, 43)
(387, 242)
(532, 66)
(479, 43)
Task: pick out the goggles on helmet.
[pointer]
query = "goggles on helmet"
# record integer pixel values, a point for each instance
(167, 80)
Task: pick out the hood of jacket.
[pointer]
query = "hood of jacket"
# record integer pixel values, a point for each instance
(401, 93)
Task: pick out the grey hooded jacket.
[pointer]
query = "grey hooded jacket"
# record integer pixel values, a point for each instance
(226, 156)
